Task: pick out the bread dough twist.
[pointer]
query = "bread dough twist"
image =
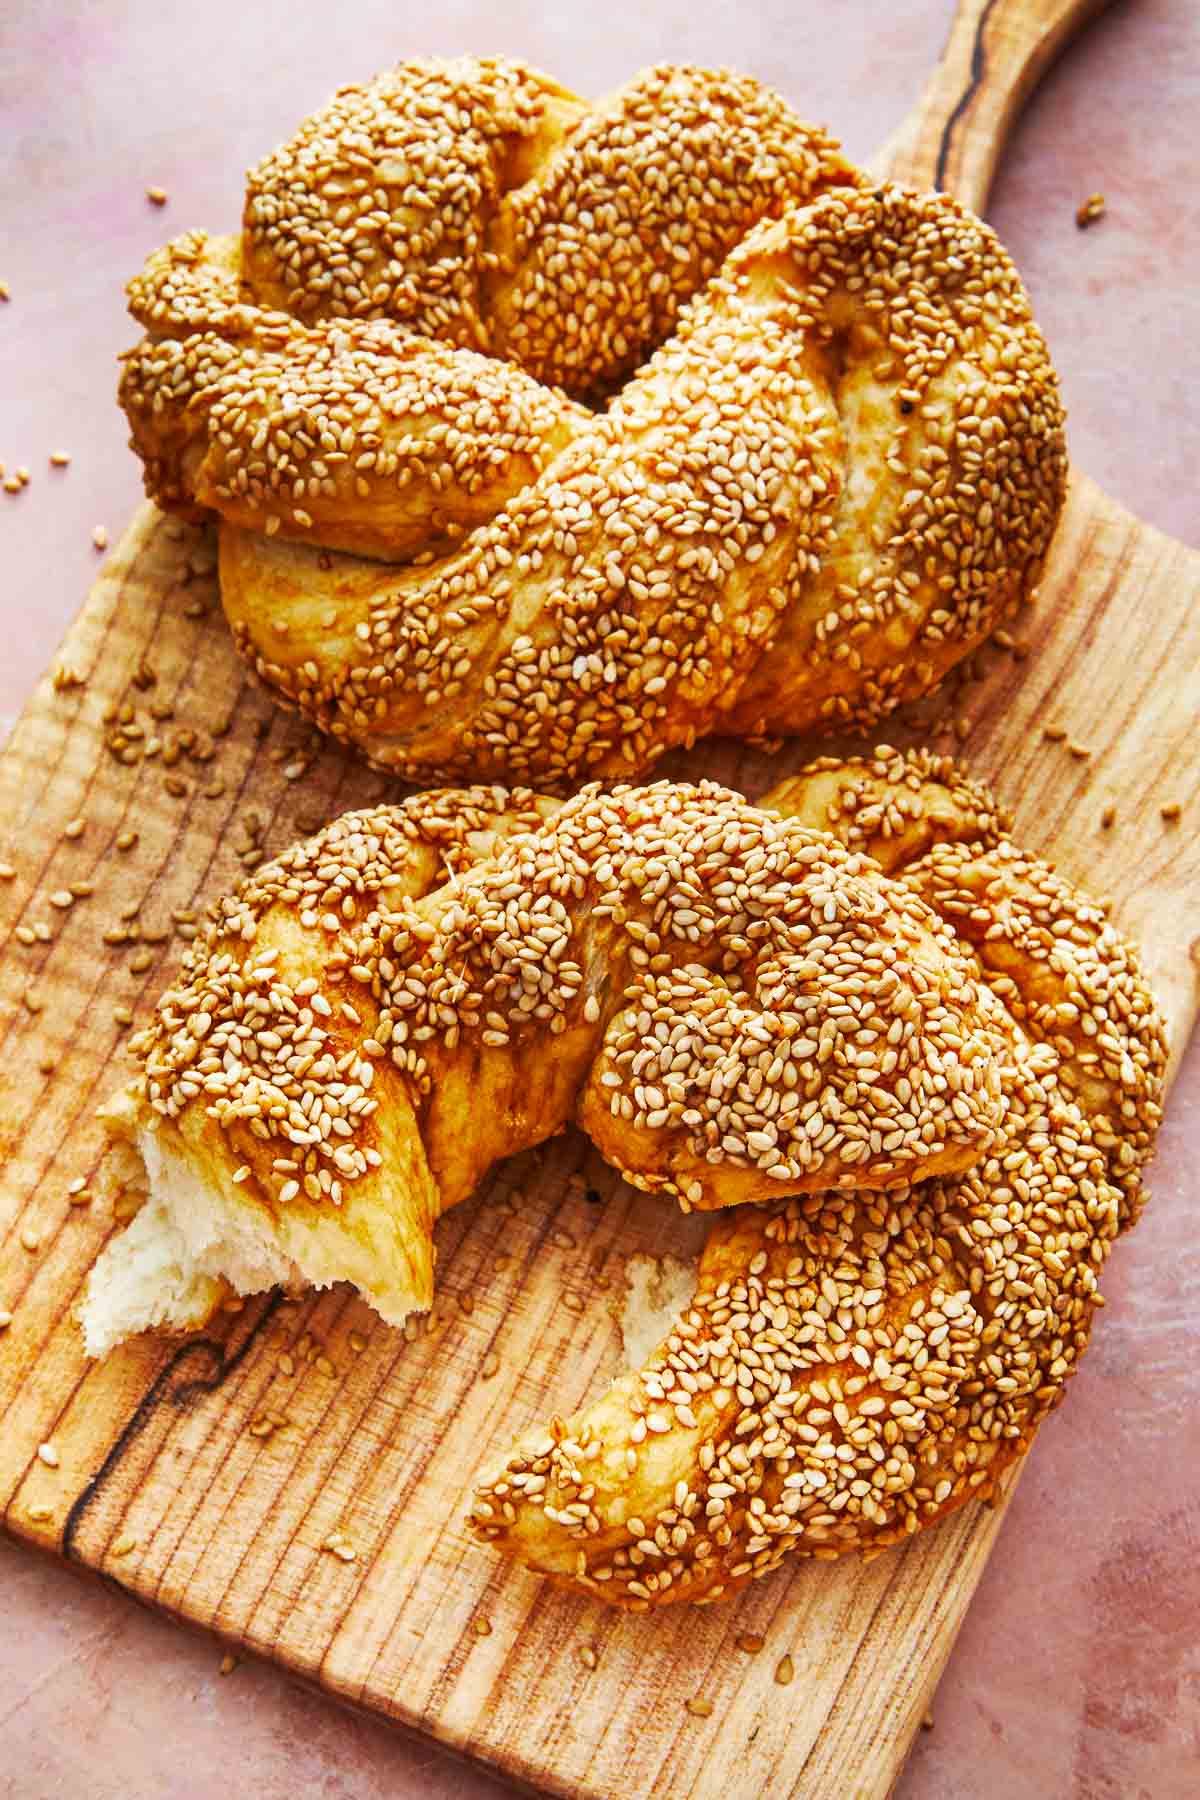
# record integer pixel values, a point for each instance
(859, 997)
(820, 492)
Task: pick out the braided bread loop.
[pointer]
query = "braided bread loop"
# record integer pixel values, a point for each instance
(839, 467)
(925, 1097)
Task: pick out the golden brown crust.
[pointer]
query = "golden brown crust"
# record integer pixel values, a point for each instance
(815, 498)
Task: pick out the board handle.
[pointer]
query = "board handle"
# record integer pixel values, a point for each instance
(997, 52)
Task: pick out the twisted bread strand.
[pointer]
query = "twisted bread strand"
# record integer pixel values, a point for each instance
(853, 1367)
(477, 202)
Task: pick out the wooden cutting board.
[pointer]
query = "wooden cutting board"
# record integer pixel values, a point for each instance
(205, 1476)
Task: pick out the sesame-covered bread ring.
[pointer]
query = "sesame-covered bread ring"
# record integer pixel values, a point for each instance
(346, 1054)
(739, 1002)
(816, 496)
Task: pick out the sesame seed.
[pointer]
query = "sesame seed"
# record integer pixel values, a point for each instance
(124, 1544)
(157, 196)
(49, 1455)
(30, 1239)
(59, 459)
(1108, 818)
(100, 537)
(227, 1664)
(785, 1670)
(1090, 211)
(1171, 811)
(482, 1626)
(699, 1707)
(6, 1319)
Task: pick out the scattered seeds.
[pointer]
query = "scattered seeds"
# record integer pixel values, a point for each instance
(60, 458)
(75, 829)
(7, 872)
(491, 1366)
(124, 1544)
(482, 1626)
(700, 1708)
(587, 1656)
(1108, 818)
(49, 1455)
(785, 1669)
(40, 1514)
(227, 1665)
(749, 1643)
(1091, 210)
(1171, 811)
(100, 537)
(6, 1320)
(127, 840)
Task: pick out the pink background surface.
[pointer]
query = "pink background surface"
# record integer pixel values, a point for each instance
(1078, 1671)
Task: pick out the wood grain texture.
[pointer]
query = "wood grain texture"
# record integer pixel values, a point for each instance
(172, 1480)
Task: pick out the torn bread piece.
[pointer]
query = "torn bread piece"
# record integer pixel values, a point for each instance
(355, 1040)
